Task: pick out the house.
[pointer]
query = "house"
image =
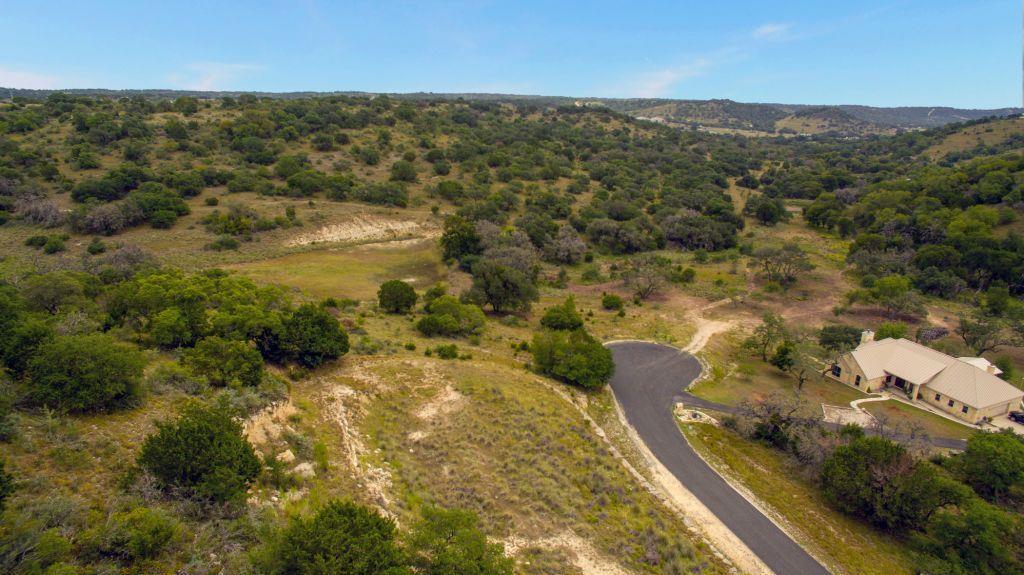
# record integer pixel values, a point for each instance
(965, 387)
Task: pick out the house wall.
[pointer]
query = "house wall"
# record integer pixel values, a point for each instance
(850, 371)
(973, 414)
(956, 410)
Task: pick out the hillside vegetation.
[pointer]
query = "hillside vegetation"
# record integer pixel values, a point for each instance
(378, 320)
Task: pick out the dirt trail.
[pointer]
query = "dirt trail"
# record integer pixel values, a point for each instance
(707, 328)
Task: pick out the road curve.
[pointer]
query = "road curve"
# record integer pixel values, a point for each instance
(648, 379)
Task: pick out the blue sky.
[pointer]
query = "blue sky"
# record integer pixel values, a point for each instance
(886, 53)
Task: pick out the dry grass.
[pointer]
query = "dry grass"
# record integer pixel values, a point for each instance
(987, 134)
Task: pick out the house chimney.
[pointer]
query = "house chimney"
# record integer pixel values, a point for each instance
(867, 336)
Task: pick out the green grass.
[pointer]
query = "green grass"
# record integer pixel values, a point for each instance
(935, 425)
(844, 544)
(354, 272)
(736, 376)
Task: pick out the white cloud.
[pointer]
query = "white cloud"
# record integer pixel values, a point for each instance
(27, 80)
(205, 76)
(771, 31)
(660, 82)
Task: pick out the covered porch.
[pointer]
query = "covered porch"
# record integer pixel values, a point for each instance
(911, 389)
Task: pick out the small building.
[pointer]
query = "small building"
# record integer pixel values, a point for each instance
(966, 387)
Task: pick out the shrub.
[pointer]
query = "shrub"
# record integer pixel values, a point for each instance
(403, 171)
(396, 296)
(54, 244)
(225, 362)
(384, 194)
(203, 453)
(141, 533)
(343, 539)
(96, 247)
(573, 357)
(450, 351)
(611, 302)
(562, 317)
(449, 542)
(222, 243)
(449, 317)
(37, 241)
(85, 373)
(313, 336)
(892, 329)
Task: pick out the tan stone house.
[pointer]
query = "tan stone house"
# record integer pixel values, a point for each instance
(965, 387)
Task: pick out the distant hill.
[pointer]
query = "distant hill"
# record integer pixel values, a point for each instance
(712, 115)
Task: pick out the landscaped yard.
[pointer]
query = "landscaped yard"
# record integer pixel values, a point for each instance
(937, 426)
(844, 544)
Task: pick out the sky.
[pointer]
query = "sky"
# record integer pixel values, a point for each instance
(882, 53)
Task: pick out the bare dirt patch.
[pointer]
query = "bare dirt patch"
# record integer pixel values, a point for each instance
(847, 415)
(364, 228)
(446, 401)
(268, 424)
(583, 555)
(342, 403)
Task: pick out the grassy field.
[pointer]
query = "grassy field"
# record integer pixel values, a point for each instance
(352, 272)
(845, 545)
(970, 137)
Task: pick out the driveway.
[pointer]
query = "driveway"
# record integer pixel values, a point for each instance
(648, 380)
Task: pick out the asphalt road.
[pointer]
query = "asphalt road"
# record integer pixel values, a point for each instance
(648, 379)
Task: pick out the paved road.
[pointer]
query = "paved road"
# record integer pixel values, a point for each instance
(648, 380)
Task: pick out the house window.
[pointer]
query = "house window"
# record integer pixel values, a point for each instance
(950, 403)
(836, 370)
(964, 409)
(857, 381)
(938, 396)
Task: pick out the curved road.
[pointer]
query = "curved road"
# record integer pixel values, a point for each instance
(648, 379)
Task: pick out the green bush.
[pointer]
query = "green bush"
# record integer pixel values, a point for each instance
(562, 317)
(450, 351)
(449, 317)
(611, 302)
(313, 336)
(203, 453)
(225, 362)
(37, 241)
(449, 542)
(573, 357)
(341, 539)
(85, 373)
(54, 244)
(396, 296)
(141, 533)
